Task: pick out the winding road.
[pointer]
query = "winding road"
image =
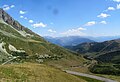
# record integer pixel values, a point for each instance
(90, 76)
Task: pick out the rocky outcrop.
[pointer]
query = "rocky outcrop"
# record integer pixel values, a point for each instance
(8, 19)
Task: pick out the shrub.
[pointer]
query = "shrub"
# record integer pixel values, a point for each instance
(105, 69)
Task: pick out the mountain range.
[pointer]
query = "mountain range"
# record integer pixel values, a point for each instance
(106, 54)
(97, 46)
(76, 40)
(68, 41)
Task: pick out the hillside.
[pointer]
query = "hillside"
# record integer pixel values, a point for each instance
(107, 55)
(103, 38)
(97, 47)
(31, 72)
(18, 41)
(18, 44)
(107, 51)
(68, 41)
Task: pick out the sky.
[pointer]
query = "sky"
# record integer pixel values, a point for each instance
(58, 18)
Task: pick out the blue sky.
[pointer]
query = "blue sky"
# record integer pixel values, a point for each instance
(67, 17)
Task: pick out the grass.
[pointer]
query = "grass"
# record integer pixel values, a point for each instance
(65, 63)
(31, 72)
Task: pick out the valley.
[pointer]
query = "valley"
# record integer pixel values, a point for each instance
(25, 56)
(29, 54)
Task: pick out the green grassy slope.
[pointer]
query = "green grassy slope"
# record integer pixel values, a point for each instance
(31, 72)
(37, 49)
(20, 42)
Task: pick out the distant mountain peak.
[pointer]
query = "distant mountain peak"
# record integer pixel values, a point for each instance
(68, 41)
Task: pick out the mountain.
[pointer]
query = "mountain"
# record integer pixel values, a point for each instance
(103, 38)
(106, 54)
(97, 46)
(21, 44)
(68, 41)
(76, 40)
(30, 57)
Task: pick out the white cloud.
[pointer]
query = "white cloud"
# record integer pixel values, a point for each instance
(103, 15)
(39, 25)
(103, 22)
(52, 31)
(111, 8)
(74, 32)
(91, 23)
(22, 12)
(118, 6)
(21, 16)
(7, 7)
(80, 29)
(116, 1)
(12, 6)
(31, 21)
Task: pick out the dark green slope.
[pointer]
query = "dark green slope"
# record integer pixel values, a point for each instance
(96, 47)
(107, 50)
(107, 55)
